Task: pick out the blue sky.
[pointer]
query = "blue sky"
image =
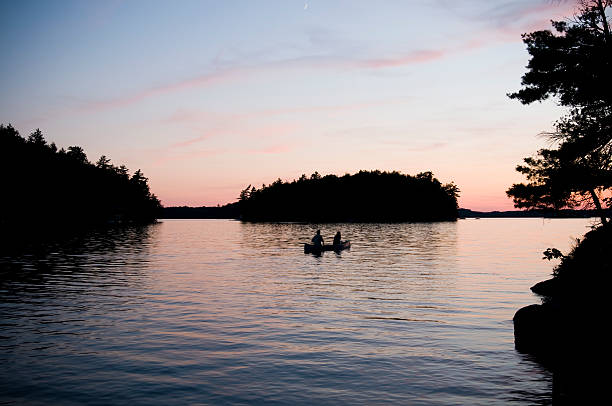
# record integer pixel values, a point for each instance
(207, 97)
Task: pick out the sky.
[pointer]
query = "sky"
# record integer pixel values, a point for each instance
(208, 97)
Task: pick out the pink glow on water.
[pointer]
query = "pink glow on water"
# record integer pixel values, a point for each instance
(224, 312)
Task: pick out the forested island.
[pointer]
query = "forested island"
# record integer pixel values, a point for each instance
(366, 196)
(54, 189)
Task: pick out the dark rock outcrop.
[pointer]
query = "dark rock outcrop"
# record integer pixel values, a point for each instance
(546, 288)
(534, 329)
(566, 332)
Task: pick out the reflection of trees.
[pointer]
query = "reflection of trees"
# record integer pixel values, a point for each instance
(270, 236)
(63, 311)
(402, 273)
(571, 384)
(427, 240)
(398, 251)
(85, 261)
(534, 394)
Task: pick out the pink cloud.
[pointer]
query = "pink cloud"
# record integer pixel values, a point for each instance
(271, 131)
(188, 155)
(409, 59)
(238, 73)
(221, 119)
(199, 81)
(540, 10)
(199, 153)
(204, 137)
(321, 109)
(506, 22)
(274, 149)
(409, 146)
(532, 18)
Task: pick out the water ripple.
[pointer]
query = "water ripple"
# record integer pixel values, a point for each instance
(223, 312)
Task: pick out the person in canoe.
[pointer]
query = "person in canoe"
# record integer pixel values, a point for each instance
(317, 240)
(337, 239)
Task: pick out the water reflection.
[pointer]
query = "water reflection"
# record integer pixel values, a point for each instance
(577, 377)
(58, 301)
(73, 264)
(223, 312)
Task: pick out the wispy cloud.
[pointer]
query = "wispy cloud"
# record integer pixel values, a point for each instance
(224, 75)
(186, 155)
(280, 130)
(515, 18)
(414, 57)
(502, 21)
(517, 12)
(207, 79)
(199, 116)
(404, 138)
(413, 146)
(273, 149)
(229, 124)
(205, 136)
(167, 156)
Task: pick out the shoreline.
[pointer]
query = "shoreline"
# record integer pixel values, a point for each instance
(565, 331)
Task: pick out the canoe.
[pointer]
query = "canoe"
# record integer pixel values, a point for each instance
(310, 248)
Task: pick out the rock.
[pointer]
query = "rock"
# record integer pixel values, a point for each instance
(546, 288)
(534, 329)
(570, 341)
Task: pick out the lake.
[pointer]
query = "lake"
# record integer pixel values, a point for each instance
(223, 312)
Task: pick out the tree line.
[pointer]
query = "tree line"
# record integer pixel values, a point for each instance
(366, 196)
(44, 185)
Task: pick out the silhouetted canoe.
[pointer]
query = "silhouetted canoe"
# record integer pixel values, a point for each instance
(309, 248)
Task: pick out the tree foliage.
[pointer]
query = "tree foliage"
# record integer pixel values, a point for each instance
(367, 196)
(46, 186)
(573, 64)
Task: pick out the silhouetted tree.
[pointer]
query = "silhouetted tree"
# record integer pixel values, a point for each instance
(550, 183)
(573, 65)
(103, 162)
(44, 186)
(37, 138)
(77, 154)
(245, 193)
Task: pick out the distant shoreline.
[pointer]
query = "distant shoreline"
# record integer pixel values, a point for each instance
(467, 213)
(231, 211)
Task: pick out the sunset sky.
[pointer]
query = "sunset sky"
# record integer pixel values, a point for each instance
(207, 97)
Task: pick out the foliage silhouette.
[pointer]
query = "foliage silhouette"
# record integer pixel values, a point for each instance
(573, 65)
(44, 186)
(367, 196)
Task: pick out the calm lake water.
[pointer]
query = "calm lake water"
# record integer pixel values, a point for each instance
(221, 312)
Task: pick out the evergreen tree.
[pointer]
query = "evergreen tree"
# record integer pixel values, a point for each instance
(44, 187)
(573, 65)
